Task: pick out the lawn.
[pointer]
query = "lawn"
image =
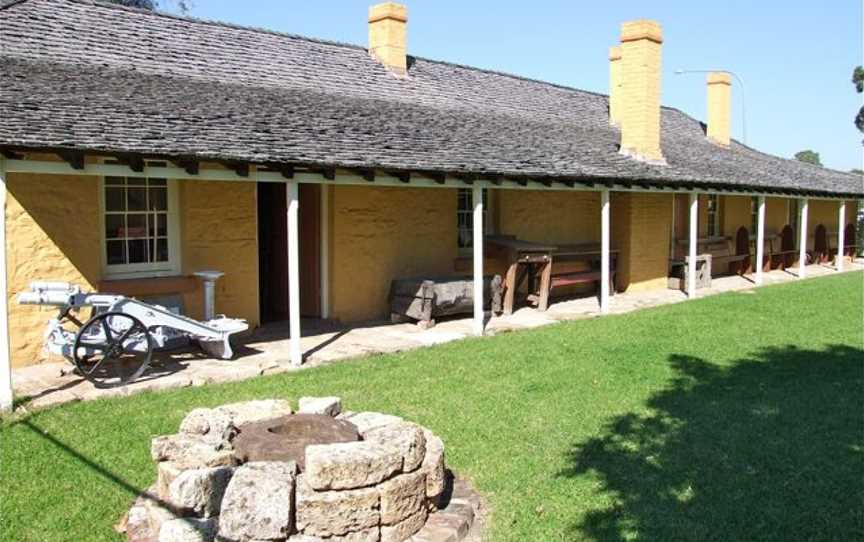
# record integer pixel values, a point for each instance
(735, 417)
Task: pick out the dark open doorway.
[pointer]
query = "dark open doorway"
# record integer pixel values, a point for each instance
(273, 251)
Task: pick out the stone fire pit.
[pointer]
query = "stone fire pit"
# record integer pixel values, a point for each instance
(256, 471)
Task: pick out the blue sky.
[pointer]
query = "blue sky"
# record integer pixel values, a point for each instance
(795, 57)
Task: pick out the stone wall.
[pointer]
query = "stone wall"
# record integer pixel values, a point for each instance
(380, 233)
(53, 232)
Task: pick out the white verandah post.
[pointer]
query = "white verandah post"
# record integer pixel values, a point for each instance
(694, 231)
(477, 244)
(841, 234)
(604, 251)
(293, 206)
(760, 240)
(802, 239)
(5, 353)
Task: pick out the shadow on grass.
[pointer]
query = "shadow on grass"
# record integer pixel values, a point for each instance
(768, 448)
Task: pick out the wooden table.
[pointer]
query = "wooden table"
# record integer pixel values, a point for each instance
(523, 259)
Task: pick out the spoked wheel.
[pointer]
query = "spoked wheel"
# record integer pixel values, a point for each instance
(112, 349)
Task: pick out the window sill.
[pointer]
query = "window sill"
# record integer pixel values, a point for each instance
(138, 287)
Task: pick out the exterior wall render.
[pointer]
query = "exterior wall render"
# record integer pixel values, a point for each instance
(53, 233)
(642, 231)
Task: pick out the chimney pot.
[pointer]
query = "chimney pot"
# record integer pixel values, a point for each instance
(719, 107)
(388, 23)
(641, 64)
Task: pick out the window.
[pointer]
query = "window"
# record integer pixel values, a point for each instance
(465, 218)
(713, 215)
(754, 215)
(793, 215)
(140, 226)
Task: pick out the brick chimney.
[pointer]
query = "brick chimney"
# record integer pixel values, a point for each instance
(719, 107)
(641, 43)
(388, 23)
(615, 85)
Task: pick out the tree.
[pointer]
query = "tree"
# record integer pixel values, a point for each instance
(858, 81)
(857, 171)
(811, 157)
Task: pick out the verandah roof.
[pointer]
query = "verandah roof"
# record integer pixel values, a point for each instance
(78, 74)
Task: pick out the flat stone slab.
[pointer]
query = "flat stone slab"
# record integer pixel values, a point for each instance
(331, 406)
(349, 465)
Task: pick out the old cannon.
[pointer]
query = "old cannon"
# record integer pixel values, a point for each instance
(115, 345)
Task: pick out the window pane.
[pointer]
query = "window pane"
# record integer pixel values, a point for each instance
(161, 250)
(157, 182)
(158, 224)
(115, 180)
(158, 199)
(116, 252)
(138, 181)
(115, 226)
(137, 199)
(136, 225)
(115, 199)
(138, 252)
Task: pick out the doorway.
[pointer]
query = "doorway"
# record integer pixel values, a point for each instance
(273, 251)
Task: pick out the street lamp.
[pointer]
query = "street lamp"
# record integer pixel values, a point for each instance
(743, 101)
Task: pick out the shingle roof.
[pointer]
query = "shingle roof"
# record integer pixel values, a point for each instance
(93, 76)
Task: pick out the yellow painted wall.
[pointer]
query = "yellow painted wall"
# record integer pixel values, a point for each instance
(53, 233)
(381, 233)
(219, 230)
(642, 229)
(550, 217)
(826, 212)
(735, 213)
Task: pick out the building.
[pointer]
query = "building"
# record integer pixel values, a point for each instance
(139, 147)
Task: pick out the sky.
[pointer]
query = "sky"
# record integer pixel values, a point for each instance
(795, 57)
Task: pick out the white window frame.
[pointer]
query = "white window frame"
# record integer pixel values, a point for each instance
(754, 216)
(793, 207)
(487, 217)
(144, 270)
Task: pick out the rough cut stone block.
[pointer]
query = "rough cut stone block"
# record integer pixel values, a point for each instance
(331, 406)
(403, 529)
(367, 535)
(348, 465)
(366, 421)
(190, 451)
(433, 465)
(200, 490)
(211, 424)
(166, 472)
(258, 502)
(405, 437)
(188, 530)
(456, 523)
(329, 513)
(256, 411)
(402, 496)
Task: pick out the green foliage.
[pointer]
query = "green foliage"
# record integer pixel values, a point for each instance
(183, 6)
(733, 417)
(808, 156)
(858, 81)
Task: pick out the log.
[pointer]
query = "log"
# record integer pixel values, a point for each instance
(425, 298)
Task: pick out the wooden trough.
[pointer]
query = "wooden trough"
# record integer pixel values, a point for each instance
(422, 299)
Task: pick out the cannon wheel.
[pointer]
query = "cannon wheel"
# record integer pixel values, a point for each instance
(112, 349)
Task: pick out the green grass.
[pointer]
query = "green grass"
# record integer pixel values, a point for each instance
(735, 417)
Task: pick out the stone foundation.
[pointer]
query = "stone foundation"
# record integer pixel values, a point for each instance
(391, 485)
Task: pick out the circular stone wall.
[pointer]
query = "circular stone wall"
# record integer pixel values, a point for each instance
(258, 471)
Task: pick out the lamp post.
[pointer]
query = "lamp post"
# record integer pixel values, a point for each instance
(743, 101)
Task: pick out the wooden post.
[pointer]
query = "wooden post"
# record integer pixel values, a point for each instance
(802, 239)
(760, 240)
(5, 351)
(694, 231)
(477, 199)
(841, 234)
(293, 206)
(604, 251)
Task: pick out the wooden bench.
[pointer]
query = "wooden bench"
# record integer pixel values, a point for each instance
(584, 252)
(849, 246)
(787, 256)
